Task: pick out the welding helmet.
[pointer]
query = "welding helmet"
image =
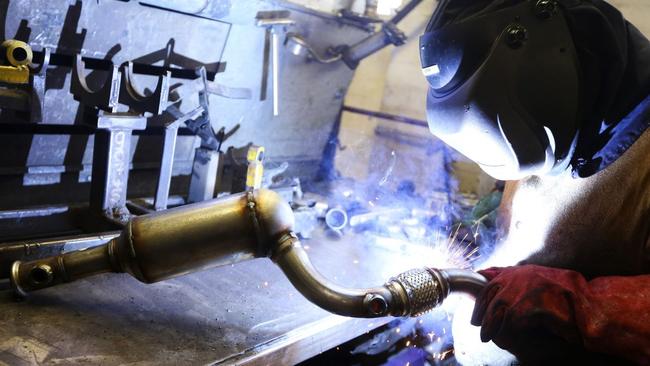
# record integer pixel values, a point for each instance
(504, 87)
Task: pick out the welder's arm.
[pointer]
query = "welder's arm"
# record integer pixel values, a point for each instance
(534, 311)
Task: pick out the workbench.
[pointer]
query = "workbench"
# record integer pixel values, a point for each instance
(247, 313)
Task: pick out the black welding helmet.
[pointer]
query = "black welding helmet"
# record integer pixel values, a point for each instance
(504, 87)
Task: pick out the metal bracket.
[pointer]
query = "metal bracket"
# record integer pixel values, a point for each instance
(38, 87)
(106, 98)
(111, 164)
(166, 165)
(138, 102)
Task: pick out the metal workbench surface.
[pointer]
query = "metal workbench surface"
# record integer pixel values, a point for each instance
(246, 313)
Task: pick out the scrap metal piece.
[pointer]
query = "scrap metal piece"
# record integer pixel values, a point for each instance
(336, 219)
(190, 88)
(106, 98)
(228, 91)
(299, 46)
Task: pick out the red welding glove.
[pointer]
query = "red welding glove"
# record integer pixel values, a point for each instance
(541, 314)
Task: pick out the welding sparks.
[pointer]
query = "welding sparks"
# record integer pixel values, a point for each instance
(444, 251)
(389, 169)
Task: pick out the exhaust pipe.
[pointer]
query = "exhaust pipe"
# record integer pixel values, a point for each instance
(224, 231)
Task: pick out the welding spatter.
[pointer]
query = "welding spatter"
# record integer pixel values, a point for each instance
(239, 227)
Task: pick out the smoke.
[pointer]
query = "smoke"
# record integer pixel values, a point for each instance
(408, 204)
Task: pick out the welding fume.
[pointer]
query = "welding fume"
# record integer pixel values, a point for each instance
(551, 97)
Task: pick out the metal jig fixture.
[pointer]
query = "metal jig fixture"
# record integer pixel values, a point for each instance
(105, 98)
(155, 102)
(39, 74)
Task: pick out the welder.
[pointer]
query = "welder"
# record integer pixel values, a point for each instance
(553, 97)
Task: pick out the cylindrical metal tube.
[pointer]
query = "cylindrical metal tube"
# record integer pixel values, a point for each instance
(336, 218)
(420, 290)
(50, 271)
(294, 262)
(18, 53)
(173, 242)
(467, 282)
(411, 293)
(365, 48)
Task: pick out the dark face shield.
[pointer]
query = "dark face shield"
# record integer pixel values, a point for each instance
(504, 90)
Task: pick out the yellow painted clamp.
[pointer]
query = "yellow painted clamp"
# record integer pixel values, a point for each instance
(18, 52)
(255, 159)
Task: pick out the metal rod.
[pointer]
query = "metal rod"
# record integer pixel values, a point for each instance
(58, 129)
(386, 116)
(166, 165)
(275, 45)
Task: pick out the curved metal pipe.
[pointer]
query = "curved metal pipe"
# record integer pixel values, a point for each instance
(294, 262)
(463, 281)
(190, 238)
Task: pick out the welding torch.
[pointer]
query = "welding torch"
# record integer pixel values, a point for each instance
(232, 229)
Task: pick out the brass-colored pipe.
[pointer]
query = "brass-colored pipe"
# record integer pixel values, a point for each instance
(294, 262)
(18, 53)
(191, 238)
(173, 242)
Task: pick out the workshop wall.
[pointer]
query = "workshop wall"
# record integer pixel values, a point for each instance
(391, 81)
(636, 11)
